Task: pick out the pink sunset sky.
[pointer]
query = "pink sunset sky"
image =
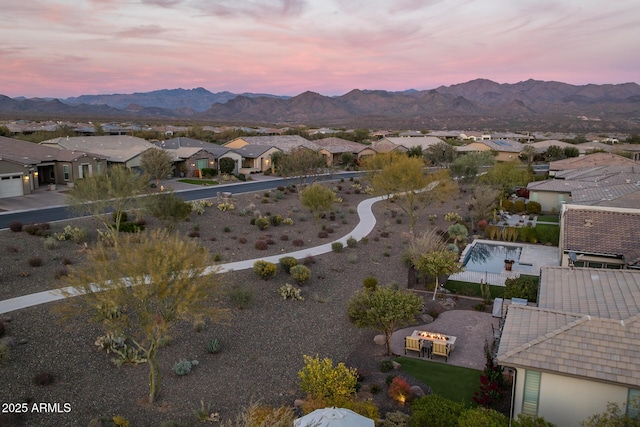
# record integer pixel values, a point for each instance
(62, 48)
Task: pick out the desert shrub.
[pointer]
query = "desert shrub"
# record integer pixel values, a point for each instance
(375, 389)
(124, 216)
(329, 230)
(399, 390)
(319, 378)
(216, 257)
(241, 297)
(193, 234)
(276, 220)
(262, 222)
(60, 273)
(518, 206)
(35, 261)
(435, 410)
(261, 245)
(395, 419)
(214, 346)
(298, 242)
(386, 366)
(226, 230)
(4, 352)
(337, 247)
(370, 283)
(300, 273)
(43, 378)
(493, 232)
(183, 366)
(270, 242)
(287, 221)
(242, 240)
(351, 242)
(49, 243)
(308, 260)
(352, 259)
(265, 269)
(284, 237)
(384, 234)
(37, 229)
(507, 205)
(15, 226)
(12, 249)
(480, 307)
(287, 291)
(323, 234)
(287, 262)
(534, 207)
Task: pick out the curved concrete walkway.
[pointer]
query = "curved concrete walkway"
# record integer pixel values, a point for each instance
(364, 227)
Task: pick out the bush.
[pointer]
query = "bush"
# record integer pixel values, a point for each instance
(214, 346)
(337, 247)
(321, 379)
(528, 234)
(435, 410)
(284, 237)
(183, 366)
(287, 262)
(399, 390)
(265, 269)
(276, 220)
(518, 206)
(261, 245)
(240, 297)
(534, 208)
(43, 379)
(370, 283)
(480, 417)
(386, 366)
(507, 205)
(521, 287)
(548, 233)
(298, 242)
(300, 273)
(35, 261)
(124, 217)
(308, 260)
(351, 242)
(15, 226)
(261, 222)
(60, 273)
(323, 234)
(49, 243)
(289, 291)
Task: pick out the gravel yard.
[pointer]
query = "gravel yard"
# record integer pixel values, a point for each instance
(262, 345)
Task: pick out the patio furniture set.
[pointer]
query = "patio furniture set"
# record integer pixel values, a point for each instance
(430, 344)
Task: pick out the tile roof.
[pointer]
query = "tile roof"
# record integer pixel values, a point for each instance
(505, 145)
(603, 231)
(592, 160)
(414, 141)
(181, 142)
(559, 185)
(285, 143)
(339, 145)
(253, 151)
(586, 325)
(115, 148)
(542, 146)
(30, 153)
(587, 196)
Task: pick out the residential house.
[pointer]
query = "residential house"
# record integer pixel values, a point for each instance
(600, 237)
(25, 166)
(591, 160)
(384, 145)
(577, 350)
(334, 148)
(117, 149)
(594, 145)
(284, 143)
(192, 155)
(256, 158)
(542, 146)
(506, 150)
(410, 142)
(474, 136)
(631, 149)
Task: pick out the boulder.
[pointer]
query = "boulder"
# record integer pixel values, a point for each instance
(396, 365)
(448, 303)
(417, 391)
(380, 340)
(298, 403)
(426, 319)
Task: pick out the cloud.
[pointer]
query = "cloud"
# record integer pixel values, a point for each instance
(162, 3)
(142, 31)
(255, 9)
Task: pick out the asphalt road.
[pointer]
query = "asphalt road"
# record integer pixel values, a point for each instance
(59, 213)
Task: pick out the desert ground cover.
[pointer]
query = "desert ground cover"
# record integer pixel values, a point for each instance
(263, 342)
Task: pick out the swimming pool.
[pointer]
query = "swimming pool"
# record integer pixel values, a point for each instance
(490, 258)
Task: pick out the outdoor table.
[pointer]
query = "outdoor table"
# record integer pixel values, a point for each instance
(435, 336)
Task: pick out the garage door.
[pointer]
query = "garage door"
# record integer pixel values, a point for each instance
(11, 186)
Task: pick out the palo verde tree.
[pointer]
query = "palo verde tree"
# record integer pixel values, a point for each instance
(466, 168)
(505, 175)
(437, 263)
(440, 154)
(383, 309)
(108, 197)
(405, 180)
(483, 201)
(317, 199)
(157, 163)
(143, 290)
(301, 164)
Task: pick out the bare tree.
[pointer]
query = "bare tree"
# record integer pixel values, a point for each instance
(157, 163)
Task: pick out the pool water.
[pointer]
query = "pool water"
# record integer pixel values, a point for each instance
(490, 258)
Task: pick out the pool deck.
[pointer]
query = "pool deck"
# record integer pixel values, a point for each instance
(535, 255)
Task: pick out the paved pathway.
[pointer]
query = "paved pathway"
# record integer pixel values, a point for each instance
(364, 227)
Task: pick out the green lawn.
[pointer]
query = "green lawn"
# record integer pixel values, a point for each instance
(548, 218)
(548, 233)
(199, 181)
(452, 382)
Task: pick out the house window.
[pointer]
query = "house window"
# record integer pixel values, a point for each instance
(633, 403)
(531, 393)
(99, 168)
(202, 164)
(65, 172)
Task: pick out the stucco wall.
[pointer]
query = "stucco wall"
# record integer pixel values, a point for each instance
(549, 201)
(566, 401)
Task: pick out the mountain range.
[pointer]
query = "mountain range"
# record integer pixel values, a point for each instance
(477, 104)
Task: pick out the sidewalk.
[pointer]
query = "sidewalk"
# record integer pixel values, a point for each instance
(363, 228)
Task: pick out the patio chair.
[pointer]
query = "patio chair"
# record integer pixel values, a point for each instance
(412, 344)
(441, 348)
(426, 348)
